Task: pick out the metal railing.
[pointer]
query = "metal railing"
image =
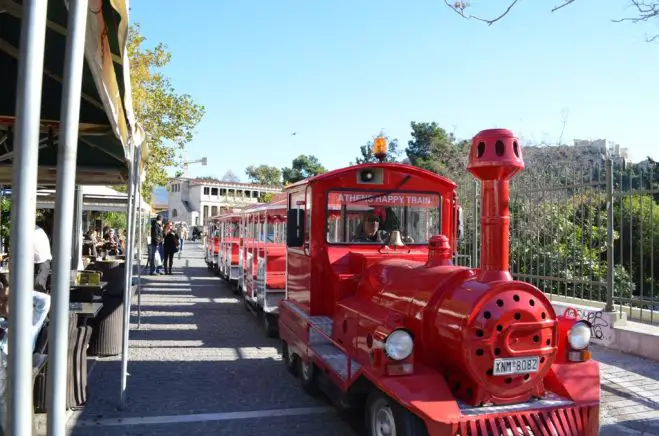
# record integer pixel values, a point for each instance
(583, 229)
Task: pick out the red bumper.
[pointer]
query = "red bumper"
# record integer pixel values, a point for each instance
(572, 408)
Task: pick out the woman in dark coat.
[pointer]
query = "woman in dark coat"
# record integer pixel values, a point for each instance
(170, 247)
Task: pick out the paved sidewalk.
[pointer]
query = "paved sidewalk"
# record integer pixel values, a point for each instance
(630, 394)
(201, 365)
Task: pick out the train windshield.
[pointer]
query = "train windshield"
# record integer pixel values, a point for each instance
(368, 217)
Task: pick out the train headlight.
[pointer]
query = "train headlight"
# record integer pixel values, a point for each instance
(579, 335)
(399, 345)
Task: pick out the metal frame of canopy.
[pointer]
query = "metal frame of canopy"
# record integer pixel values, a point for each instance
(81, 33)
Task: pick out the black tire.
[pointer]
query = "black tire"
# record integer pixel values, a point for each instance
(309, 377)
(270, 325)
(289, 359)
(383, 411)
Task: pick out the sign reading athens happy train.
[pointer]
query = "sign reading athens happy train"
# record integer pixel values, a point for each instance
(397, 199)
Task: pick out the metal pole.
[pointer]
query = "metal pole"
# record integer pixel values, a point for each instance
(609, 235)
(140, 223)
(2, 200)
(66, 191)
(24, 188)
(475, 225)
(76, 249)
(129, 266)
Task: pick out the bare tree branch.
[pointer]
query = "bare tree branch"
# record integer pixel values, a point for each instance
(647, 10)
(459, 8)
(562, 5)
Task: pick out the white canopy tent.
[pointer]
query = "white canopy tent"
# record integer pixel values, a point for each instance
(96, 198)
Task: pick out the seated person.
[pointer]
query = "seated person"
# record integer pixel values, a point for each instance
(369, 230)
(40, 305)
(111, 242)
(89, 245)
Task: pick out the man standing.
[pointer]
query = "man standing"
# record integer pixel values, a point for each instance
(42, 258)
(156, 244)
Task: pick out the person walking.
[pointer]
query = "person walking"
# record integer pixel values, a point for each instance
(170, 247)
(156, 244)
(179, 235)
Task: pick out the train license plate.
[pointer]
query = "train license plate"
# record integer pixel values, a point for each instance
(521, 365)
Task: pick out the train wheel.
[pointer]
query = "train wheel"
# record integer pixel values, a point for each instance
(384, 417)
(308, 378)
(289, 358)
(270, 325)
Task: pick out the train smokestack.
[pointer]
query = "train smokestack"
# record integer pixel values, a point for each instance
(495, 158)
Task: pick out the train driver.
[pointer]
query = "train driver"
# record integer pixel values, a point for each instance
(369, 230)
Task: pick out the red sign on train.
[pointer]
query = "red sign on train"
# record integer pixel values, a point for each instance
(394, 199)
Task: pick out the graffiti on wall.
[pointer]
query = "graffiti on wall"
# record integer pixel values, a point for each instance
(601, 324)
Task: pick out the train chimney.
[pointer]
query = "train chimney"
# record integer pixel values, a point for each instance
(495, 158)
(439, 251)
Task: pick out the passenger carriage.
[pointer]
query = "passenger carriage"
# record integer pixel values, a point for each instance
(212, 242)
(377, 314)
(229, 265)
(264, 280)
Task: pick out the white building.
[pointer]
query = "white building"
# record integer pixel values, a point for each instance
(194, 200)
(604, 145)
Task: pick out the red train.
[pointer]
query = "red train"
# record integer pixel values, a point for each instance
(376, 314)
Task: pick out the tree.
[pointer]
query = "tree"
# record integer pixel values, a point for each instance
(178, 174)
(645, 10)
(266, 197)
(264, 175)
(168, 117)
(367, 156)
(303, 166)
(115, 220)
(230, 176)
(434, 149)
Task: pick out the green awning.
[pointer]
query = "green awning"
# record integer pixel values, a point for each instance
(106, 116)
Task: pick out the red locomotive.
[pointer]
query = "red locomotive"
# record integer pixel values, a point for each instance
(376, 313)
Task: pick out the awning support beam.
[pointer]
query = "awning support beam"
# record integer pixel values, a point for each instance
(67, 153)
(24, 187)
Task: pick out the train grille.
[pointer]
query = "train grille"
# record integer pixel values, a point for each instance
(577, 421)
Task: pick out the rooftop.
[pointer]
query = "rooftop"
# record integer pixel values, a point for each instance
(217, 182)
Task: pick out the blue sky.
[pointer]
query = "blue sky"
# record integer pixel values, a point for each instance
(338, 71)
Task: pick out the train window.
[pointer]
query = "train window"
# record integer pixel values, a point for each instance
(295, 227)
(368, 217)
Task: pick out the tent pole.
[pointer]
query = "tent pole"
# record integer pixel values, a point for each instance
(67, 197)
(139, 252)
(24, 188)
(130, 234)
(76, 249)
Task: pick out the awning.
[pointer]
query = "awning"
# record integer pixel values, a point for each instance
(94, 198)
(107, 121)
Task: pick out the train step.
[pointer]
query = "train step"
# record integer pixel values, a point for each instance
(326, 350)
